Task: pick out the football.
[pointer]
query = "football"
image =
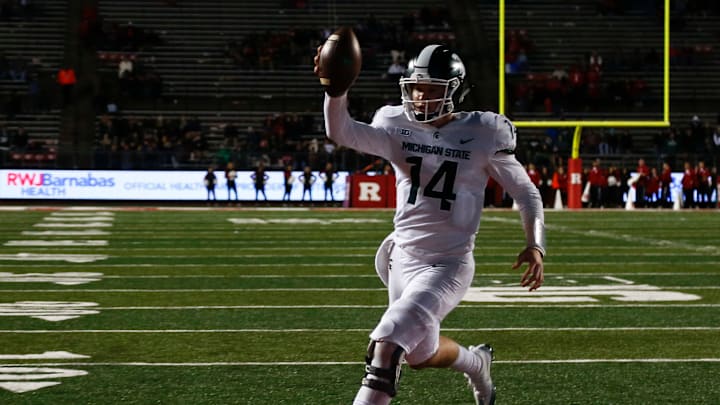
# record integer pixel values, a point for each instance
(339, 62)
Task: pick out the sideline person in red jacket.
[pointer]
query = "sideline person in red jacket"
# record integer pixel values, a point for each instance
(689, 181)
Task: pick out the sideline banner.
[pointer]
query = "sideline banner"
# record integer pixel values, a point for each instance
(367, 191)
(44, 184)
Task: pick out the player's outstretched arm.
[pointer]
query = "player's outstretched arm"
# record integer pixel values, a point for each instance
(534, 276)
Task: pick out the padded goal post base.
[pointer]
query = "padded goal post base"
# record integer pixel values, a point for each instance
(574, 197)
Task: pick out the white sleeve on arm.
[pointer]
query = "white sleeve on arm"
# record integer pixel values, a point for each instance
(345, 131)
(512, 177)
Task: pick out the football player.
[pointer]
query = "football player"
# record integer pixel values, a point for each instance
(442, 160)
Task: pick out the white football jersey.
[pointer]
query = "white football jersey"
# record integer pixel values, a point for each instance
(441, 173)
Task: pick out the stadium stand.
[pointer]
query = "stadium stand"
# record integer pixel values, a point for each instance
(212, 61)
(208, 59)
(32, 46)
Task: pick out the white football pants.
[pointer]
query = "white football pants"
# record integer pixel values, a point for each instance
(421, 294)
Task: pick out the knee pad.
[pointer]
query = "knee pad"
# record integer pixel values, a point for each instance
(387, 377)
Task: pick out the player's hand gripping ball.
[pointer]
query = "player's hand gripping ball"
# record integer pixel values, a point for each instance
(338, 62)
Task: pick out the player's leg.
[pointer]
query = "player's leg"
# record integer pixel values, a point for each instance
(421, 295)
(447, 282)
(383, 353)
(383, 367)
(473, 361)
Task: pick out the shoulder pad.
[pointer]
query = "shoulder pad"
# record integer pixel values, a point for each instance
(386, 112)
(505, 135)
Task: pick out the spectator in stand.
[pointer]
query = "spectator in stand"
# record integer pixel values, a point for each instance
(612, 141)
(637, 91)
(21, 139)
(716, 143)
(67, 80)
(597, 177)
(14, 105)
(604, 145)
(577, 84)
(643, 172)
(395, 70)
(670, 148)
(665, 183)
(595, 61)
(17, 71)
(610, 7)
(4, 139)
(625, 143)
(689, 184)
(559, 73)
(697, 134)
(125, 67)
(4, 65)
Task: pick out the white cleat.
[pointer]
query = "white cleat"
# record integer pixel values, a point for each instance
(481, 383)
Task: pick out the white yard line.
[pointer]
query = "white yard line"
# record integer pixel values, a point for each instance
(178, 290)
(354, 363)
(210, 290)
(283, 265)
(82, 214)
(706, 249)
(281, 276)
(369, 275)
(503, 264)
(483, 275)
(196, 307)
(379, 306)
(361, 330)
(494, 306)
(618, 280)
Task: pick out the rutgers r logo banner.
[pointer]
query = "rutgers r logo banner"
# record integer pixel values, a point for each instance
(369, 191)
(372, 191)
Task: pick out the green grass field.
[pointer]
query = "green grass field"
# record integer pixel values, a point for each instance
(214, 306)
